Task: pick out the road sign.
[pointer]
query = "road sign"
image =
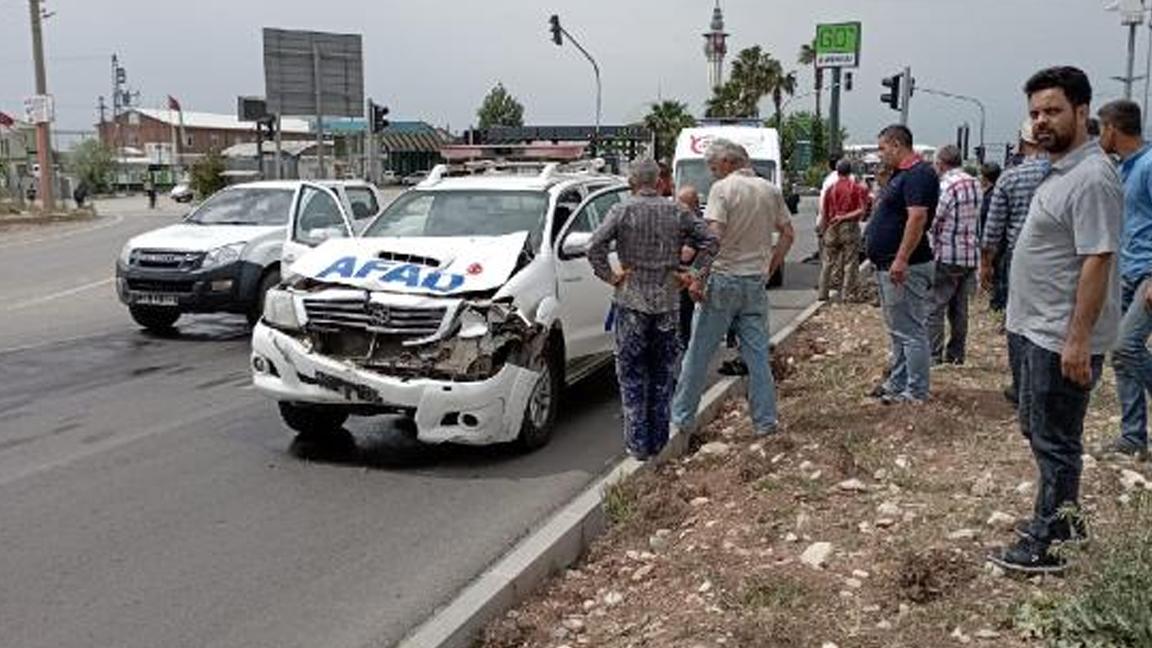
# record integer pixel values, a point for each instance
(313, 73)
(341, 125)
(838, 45)
(39, 109)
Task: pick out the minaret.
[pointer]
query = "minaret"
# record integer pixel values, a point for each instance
(716, 48)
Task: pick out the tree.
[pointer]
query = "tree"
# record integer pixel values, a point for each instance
(92, 163)
(753, 77)
(500, 108)
(783, 83)
(802, 126)
(666, 119)
(206, 174)
(726, 101)
(807, 56)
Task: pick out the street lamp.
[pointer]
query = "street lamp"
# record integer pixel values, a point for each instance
(1131, 16)
(960, 97)
(558, 34)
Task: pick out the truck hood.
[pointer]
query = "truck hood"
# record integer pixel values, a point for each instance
(201, 238)
(415, 265)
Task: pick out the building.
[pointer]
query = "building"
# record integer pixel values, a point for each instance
(716, 48)
(17, 152)
(196, 133)
(410, 146)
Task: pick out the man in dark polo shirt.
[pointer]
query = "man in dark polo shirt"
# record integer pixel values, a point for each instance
(897, 244)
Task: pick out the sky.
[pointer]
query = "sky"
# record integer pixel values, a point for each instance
(434, 60)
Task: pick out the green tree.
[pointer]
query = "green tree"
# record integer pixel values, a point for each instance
(206, 174)
(802, 126)
(93, 163)
(500, 108)
(666, 119)
(725, 102)
(807, 56)
(753, 75)
(783, 83)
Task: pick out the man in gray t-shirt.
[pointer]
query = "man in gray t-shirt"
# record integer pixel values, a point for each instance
(1064, 302)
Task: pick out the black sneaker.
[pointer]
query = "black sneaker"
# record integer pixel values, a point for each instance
(1119, 448)
(733, 368)
(1076, 532)
(1028, 557)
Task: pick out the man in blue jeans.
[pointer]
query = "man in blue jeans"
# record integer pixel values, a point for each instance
(1121, 134)
(897, 244)
(743, 211)
(1064, 304)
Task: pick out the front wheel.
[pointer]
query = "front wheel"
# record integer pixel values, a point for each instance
(154, 318)
(543, 404)
(311, 420)
(267, 282)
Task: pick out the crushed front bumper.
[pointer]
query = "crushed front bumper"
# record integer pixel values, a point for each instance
(471, 413)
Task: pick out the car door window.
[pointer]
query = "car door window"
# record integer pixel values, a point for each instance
(318, 217)
(594, 212)
(363, 202)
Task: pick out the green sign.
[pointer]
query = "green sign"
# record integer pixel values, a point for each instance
(838, 45)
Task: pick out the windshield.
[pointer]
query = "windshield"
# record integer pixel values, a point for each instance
(244, 206)
(695, 173)
(463, 213)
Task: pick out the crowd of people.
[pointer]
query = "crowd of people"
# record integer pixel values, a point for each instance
(1061, 240)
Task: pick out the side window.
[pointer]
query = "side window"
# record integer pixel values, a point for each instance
(318, 217)
(594, 212)
(363, 202)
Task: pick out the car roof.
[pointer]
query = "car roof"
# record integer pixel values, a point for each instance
(512, 182)
(294, 184)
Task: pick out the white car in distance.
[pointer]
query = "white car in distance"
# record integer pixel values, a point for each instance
(466, 306)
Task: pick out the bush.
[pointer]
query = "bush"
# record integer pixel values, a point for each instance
(1111, 593)
(206, 178)
(92, 163)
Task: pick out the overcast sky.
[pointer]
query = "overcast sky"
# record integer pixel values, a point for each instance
(435, 59)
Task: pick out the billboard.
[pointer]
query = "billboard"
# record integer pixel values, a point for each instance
(838, 45)
(309, 73)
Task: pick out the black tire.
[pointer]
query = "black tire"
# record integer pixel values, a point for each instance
(543, 407)
(311, 420)
(154, 318)
(268, 281)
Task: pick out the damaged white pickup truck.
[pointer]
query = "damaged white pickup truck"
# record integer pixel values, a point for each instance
(466, 306)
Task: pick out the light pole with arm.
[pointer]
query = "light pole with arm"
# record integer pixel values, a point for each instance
(558, 34)
(973, 100)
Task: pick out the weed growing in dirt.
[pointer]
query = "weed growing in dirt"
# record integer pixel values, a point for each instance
(1110, 604)
(928, 575)
(760, 592)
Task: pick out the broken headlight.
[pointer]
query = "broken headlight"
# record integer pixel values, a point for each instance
(280, 310)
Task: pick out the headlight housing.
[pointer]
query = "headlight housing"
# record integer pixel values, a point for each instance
(280, 310)
(222, 255)
(126, 254)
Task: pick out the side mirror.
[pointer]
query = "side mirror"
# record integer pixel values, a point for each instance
(320, 234)
(576, 245)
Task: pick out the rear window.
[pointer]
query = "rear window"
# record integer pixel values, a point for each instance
(694, 173)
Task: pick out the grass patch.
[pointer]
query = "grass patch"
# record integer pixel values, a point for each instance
(1110, 602)
(760, 592)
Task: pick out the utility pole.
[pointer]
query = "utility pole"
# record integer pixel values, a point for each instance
(43, 133)
(1131, 16)
(558, 34)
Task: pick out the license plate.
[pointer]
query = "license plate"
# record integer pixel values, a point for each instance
(350, 390)
(155, 299)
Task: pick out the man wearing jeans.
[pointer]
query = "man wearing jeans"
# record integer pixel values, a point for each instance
(1121, 135)
(649, 231)
(897, 244)
(1064, 303)
(956, 246)
(743, 211)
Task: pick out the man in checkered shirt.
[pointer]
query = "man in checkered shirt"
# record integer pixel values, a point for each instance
(956, 247)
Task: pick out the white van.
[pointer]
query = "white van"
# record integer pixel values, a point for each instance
(690, 169)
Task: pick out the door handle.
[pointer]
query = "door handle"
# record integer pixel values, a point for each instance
(572, 279)
(290, 258)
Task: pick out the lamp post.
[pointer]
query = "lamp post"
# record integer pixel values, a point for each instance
(558, 34)
(973, 100)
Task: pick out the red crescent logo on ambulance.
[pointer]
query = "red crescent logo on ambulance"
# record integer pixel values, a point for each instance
(475, 269)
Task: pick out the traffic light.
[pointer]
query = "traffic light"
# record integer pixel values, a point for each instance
(980, 153)
(847, 82)
(557, 35)
(892, 97)
(379, 117)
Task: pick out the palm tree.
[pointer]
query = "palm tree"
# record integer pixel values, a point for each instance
(666, 119)
(808, 57)
(783, 83)
(752, 74)
(725, 101)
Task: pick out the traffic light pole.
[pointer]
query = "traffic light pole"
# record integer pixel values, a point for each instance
(905, 95)
(557, 29)
(973, 100)
(834, 143)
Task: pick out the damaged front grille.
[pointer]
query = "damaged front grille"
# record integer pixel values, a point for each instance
(373, 317)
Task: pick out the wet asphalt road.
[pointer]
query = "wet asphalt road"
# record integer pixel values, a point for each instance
(148, 497)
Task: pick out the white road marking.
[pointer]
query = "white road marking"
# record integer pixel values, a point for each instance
(18, 242)
(20, 305)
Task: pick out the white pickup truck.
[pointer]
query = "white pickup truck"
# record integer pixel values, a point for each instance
(465, 306)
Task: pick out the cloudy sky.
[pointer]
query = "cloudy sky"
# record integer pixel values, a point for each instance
(435, 59)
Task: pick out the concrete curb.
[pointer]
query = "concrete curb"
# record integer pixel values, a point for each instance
(561, 540)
